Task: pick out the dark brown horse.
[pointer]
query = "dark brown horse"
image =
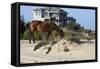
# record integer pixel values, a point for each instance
(47, 27)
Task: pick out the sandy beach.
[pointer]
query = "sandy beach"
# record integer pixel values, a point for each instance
(82, 51)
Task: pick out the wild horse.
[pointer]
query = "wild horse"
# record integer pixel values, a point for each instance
(47, 27)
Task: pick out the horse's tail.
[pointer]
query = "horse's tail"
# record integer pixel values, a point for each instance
(27, 25)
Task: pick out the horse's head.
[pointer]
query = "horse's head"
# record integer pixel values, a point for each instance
(61, 32)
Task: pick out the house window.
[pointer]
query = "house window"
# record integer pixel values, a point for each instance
(39, 14)
(46, 13)
(36, 14)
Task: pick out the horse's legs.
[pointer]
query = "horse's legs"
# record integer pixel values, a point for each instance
(33, 37)
(30, 35)
(51, 41)
(48, 34)
(51, 38)
(43, 36)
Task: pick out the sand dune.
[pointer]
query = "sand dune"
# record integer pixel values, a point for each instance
(63, 50)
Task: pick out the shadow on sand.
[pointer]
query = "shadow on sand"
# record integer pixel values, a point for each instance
(81, 42)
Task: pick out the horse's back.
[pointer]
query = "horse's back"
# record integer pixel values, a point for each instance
(35, 23)
(40, 26)
(45, 27)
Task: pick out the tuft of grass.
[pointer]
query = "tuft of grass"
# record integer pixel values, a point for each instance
(49, 49)
(39, 45)
(54, 42)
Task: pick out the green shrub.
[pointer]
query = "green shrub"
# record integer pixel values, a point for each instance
(54, 36)
(92, 35)
(25, 35)
(88, 38)
(21, 36)
(72, 35)
(37, 36)
(74, 39)
(73, 26)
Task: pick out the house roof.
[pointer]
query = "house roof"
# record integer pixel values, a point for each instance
(50, 9)
(37, 9)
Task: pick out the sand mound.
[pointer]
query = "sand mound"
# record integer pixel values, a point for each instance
(60, 51)
(61, 46)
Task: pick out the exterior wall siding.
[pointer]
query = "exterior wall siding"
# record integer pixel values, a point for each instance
(44, 14)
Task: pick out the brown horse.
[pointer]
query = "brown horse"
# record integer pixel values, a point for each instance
(47, 27)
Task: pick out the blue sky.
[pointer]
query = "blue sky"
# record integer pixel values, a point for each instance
(86, 17)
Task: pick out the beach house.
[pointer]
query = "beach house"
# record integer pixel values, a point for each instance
(44, 14)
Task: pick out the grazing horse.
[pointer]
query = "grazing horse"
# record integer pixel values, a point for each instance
(47, 27)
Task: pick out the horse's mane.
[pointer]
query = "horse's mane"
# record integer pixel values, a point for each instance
(55, 26)
(58, 29)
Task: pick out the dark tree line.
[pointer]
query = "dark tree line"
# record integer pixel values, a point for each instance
(74, 26)
(22, 26)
